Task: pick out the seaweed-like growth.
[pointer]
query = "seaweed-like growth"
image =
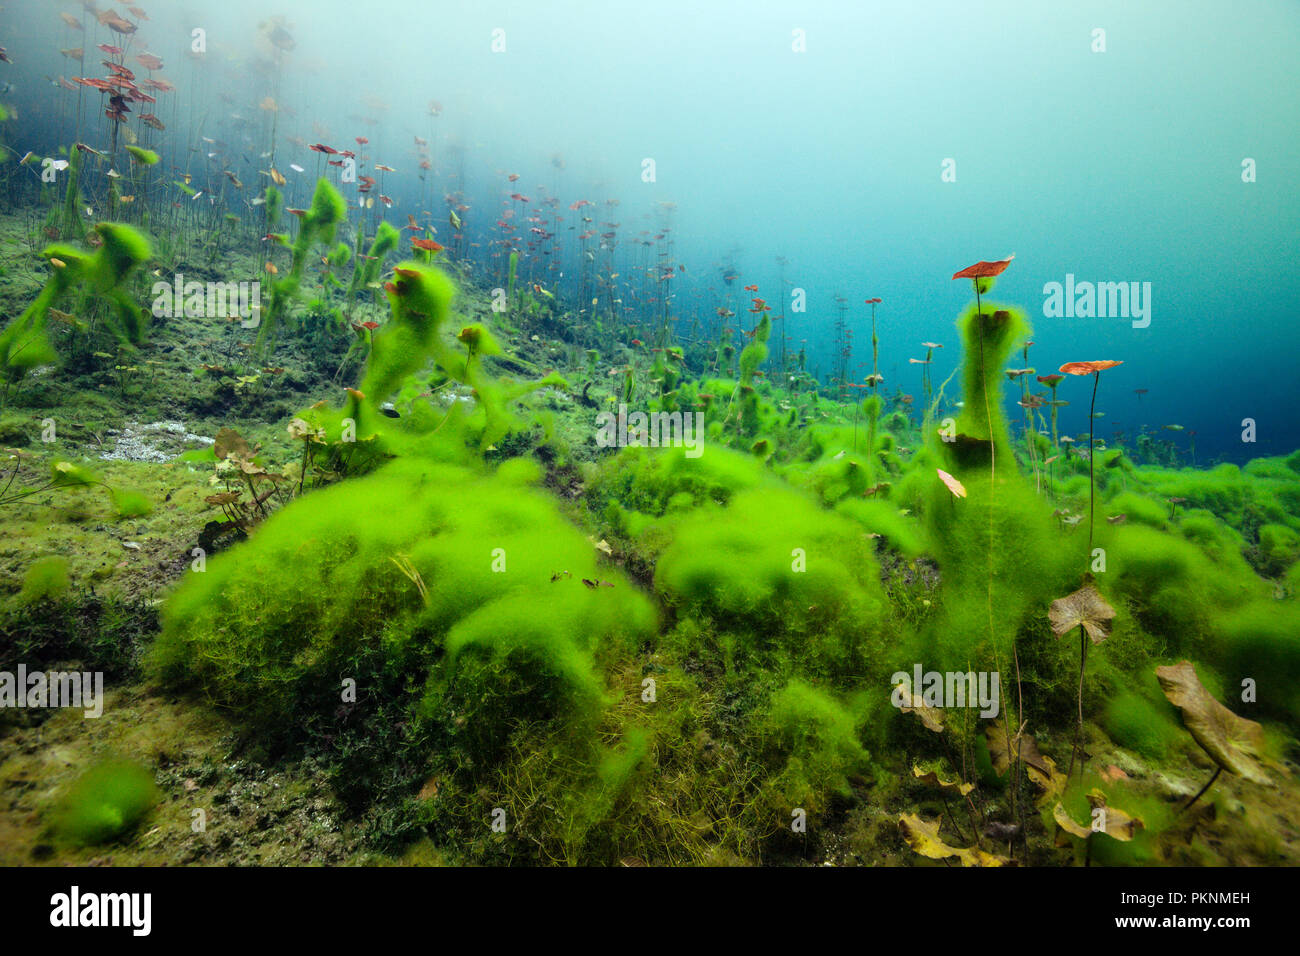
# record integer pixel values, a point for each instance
(989, 338)
(818, 737)
(106, 802)
(72, 228)
(789, 580)
(367, 268)
(274, 207)
(25, 344)
(145, 157)
(474, 587)
(421, 297)
(319, 223)
(755, 353)
(510, 280)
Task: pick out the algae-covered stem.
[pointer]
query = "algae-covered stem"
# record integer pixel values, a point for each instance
(976, 273)
(1078, 739)
(1092, 495)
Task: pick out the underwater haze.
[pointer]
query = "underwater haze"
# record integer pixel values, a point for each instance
(1115, 166)
(670, 433)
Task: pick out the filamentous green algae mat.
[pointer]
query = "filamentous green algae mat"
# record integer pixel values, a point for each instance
(385, 482)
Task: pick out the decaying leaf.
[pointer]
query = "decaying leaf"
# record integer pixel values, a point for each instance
(931, 717)
(229, 442)
(1084, 608)
(1024, 745)
(955, 486)
(933, 779)
(924, 839)
(300, 430)
(1233, 742)
(1115, 822)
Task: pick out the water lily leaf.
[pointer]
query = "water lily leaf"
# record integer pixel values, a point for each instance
(1051, 781)
(1233, 742)
(1116, 823)
(933, 779)
(1084, 608)
(932, 717)
(924, 839)
(1026, 748)
(229, 442)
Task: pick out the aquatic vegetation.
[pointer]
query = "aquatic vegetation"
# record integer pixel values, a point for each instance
(1087, 610)
(1094, 369)
(370, 531)
(46, 579)
(318, 226)
(1232, 742)
(105, 803)
(24, 342)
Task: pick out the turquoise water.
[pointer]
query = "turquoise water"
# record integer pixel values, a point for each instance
(817, 133)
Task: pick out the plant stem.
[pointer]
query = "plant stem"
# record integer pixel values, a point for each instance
(1092, 490)
(1078, 741)
(1201, 792)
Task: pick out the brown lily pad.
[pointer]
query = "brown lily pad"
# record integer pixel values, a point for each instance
(924, 839)
(1232, 742)
(1084, 608)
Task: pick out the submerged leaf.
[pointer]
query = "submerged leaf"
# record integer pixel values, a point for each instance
(230, 443)
(924, 839)
(1039, 767)
(955, 486)
(932, 717)
(1233, 742)
(1084, 608)
(933, 779)
(1115, 822)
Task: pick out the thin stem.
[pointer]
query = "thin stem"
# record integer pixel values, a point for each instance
(1092, 491)
(1201, 792)
(1078, 741)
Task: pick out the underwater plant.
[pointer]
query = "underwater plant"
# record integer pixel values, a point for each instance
(875, 378)
(1087, 610)
(106, 802)
(1094, 369)
(1052, 381)
(1115, 823)
(1232, 742)
(24, 342)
